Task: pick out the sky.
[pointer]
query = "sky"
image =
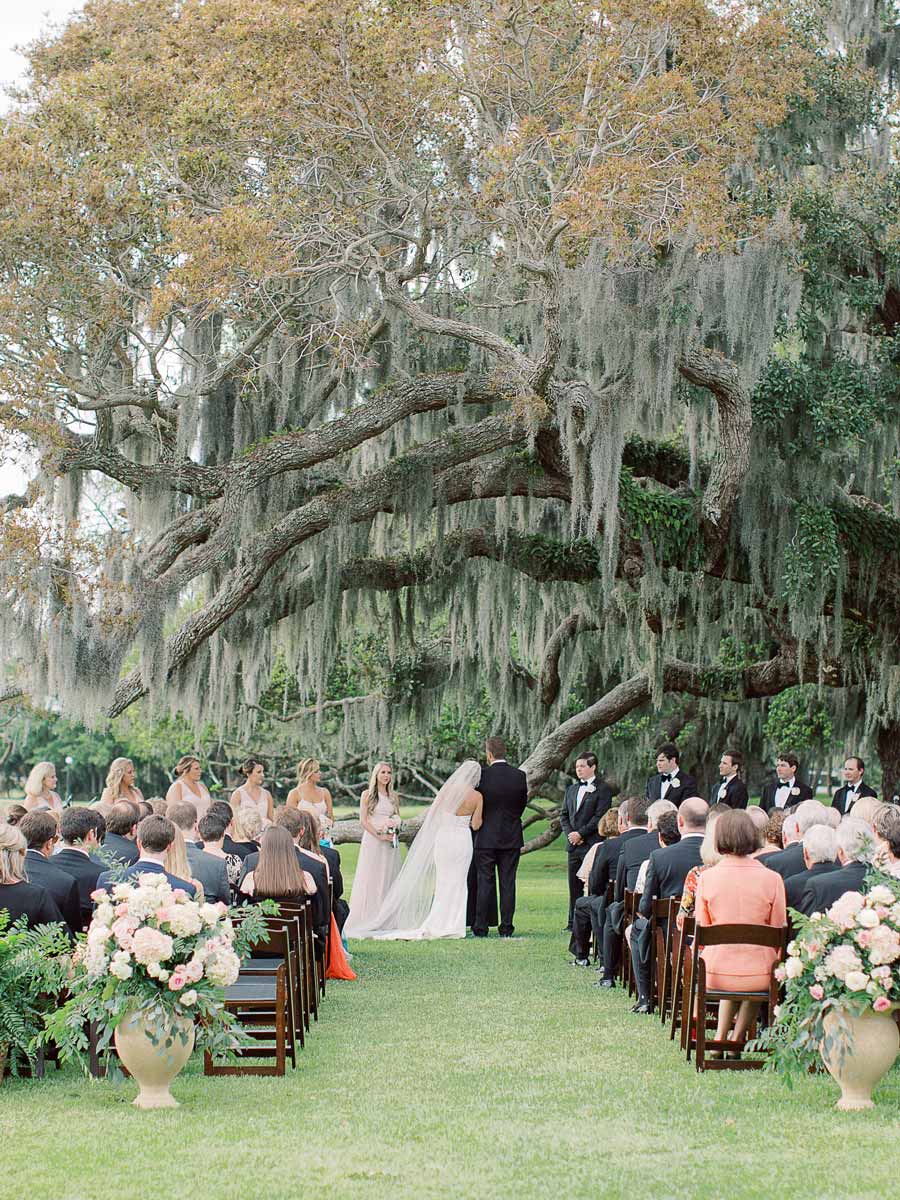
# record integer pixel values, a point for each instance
(20, 22)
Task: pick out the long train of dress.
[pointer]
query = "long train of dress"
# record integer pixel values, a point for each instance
(452, 855)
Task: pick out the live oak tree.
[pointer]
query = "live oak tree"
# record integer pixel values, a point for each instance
(551, 344)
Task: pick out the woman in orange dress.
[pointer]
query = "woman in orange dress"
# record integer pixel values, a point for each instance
(739, 890)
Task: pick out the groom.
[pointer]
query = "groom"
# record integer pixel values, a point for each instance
(499, 841)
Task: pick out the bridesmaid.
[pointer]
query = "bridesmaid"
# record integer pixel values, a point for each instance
(188, 785)
(252, 794)
(311, 798)
(40, 789)
(120, 785)
(379, 860)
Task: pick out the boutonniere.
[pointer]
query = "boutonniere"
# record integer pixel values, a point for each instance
(674, 783)
(795, 791)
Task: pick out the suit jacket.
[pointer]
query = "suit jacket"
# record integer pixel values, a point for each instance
(603, 868)
(142, 867)
(334, 869)
(321, 912)
(85, 871)
(680, 788)
(801, 792)
(634, 852)
(736, 795)
(795, 886)
(668, 869)
(33, 903)
(505, 792)
(211, 872)
(62, 887)
(241, 849)
(839, 799)
(820, 893)
(122, 847)
(786, 862)
(584, 821)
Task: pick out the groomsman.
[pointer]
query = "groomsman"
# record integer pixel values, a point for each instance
(670, 782)
(584, 804)
(730, 789)
(853, 788)
(785, 791)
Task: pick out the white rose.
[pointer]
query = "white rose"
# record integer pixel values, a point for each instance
(188, 998)
(881, 895)
(867, 918)
(856, 981)
(793, 968)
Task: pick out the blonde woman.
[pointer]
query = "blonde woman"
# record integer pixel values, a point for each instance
(19, 897)
(177, 861)
(40, 788)
(311, 798)
(251, 793)
(189, 785)
(120, 785)
(379, 854)
(709, 855)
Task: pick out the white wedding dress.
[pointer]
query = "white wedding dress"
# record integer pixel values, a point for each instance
(428, 898)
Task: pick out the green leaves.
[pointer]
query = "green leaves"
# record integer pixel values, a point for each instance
(812, 557)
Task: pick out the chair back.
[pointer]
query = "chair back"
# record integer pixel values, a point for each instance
(740, 935)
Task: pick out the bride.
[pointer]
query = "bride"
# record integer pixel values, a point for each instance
(428, 897)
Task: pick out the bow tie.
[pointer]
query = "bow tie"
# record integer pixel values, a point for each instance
(668, 778)
(851, 787)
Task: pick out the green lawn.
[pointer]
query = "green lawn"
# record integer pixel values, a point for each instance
(465, 1069)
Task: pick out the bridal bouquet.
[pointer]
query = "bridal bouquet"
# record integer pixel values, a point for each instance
(392, 829)
(841, 962)
(154, 949)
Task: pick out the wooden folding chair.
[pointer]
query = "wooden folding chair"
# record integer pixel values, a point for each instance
(662, 923)
(269, 952)
(680, 973)
(626, 973)
(701, 996)
(259, 1000)
(310, 963)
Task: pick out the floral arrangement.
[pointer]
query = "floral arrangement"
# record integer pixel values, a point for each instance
(152, 948)
(842, 962)
(34, 964)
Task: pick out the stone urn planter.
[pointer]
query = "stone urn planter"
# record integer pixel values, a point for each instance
(153, 1055)
(859, 1060)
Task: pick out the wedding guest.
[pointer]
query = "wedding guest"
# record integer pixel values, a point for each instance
(820, 849)
(607, 827)
(206, 869)
(176, 861)
(379, 856)
(120, 785)
(41, 833)
(887, 837)
(867, 809)
(155, 806)
(635, 845)
(121, 831)
(854, 787)
(709, 856)
(855, 846)
(774, 840)
(155, 836)
(294, 821)
(785, 790)
(40, 788)
(19, 897)
(730, 789)
(790, 861)
(760, 820)
(670, 782)
(188, 785)
(312, 798)
(590, 910)
(78, 838)
(309, 839)
(276, 875)
(738, 890)
(15, 813)
(667, 833)
(246, 825)
(832, 817)
(251, 794)
(584, 803)
(212, 829)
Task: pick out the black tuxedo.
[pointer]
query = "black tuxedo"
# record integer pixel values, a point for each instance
(795, 886)
(839, 800)
(499, 842)
(799, 793)
(590, 910)
(30, 901)
(735, 796)
(321, 915)
(667, 870)
(62, 887)
(582, 819)
(786, 862)
(820, 893)
(85, 871)
(122, 847)
(636, 846)
(634, 854)
(679, 789)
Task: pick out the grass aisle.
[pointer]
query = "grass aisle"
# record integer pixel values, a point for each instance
(464, 1069)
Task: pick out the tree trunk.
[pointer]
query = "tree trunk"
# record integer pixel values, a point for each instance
(889, 756)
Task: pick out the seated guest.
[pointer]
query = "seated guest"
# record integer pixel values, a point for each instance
(790, 861)
(607, 827)
(176, 860)
(156, 805)
(887, 837)
(590, 909)
(833, 817)
(246, 826)
(15, 813)
(205, 869)
(709, 856)
(78, 837)
(867, 809)
(668, 834)
(121, 830)
(309, 839)
(820, 856)
(785, 789)
(761, 820)
(19, 897)
(41, 833)
(291, 819)
(276, 874)
(667, 869)
(853, 788)
(154, 837)
(738, 890)
(212, 830)
(773, 838)
(855, 846)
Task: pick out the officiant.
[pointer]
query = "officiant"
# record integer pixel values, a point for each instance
(585, 803)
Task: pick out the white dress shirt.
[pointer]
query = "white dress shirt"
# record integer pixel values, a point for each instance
(783, 793)
(586, 786)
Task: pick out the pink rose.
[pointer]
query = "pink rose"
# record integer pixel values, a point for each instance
(817, 991)
(179, 895)
(99, 894)
(176, 981)
(122, 909)
(163, 914)
(882, 1004)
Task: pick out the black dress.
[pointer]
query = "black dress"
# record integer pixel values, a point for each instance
(29, 901)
